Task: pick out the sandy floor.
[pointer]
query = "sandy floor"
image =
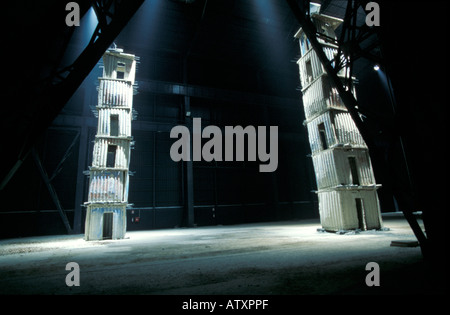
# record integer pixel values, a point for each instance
(268, 258)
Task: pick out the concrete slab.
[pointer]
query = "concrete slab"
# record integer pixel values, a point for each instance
(266, 258)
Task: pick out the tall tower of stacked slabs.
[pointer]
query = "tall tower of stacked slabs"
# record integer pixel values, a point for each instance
(108, 175)
(347, 192)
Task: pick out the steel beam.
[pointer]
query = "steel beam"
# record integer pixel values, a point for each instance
(54, 92)
(51, 190)
(189, 173)
(345, 93)
(58, 168)
(79, 190)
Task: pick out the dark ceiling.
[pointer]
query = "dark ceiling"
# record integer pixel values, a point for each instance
(231, 30)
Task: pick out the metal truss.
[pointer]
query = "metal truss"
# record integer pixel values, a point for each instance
(112, 16)
(345, 93)
(54, 91)
(356, 40)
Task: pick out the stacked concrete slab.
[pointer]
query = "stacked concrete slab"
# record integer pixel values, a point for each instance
(109, 174)
(347, 191)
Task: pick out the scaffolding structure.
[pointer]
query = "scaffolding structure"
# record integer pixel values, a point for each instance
(109, 174)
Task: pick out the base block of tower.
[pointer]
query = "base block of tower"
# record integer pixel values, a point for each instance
(105, 221)
(349, 209)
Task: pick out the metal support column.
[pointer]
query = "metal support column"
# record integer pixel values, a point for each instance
(189, 173)
(79, 190)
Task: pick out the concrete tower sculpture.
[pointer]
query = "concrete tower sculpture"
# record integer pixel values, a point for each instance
(347, 192)
(109, 174)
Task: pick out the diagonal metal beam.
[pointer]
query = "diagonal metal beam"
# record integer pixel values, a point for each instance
(54, 93)
(58, 168)
(355, 41)
(345, 93)
(51, 190)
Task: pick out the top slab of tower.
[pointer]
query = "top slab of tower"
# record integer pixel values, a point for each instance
(315, 14)
(119, 65)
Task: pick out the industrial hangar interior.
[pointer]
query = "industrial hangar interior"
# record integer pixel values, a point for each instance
(229, 63)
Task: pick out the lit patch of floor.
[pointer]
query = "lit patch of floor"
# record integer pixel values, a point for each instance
(266, 258)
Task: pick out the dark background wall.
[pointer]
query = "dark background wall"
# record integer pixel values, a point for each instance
(224, 192)
(235, 61)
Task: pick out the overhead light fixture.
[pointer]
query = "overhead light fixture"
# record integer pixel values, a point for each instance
(376, 67)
